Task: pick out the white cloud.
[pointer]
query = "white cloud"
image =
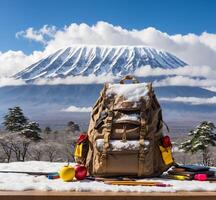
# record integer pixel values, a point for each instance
(197, 50)
(77, 109)
(4, 81)
(13, 61)
(191, 71)
(76, 80)
(200, 76)
(41, 35)
(211, 88)
(190, 100)
(194, 49)
(31, 34)
(209, 39)
(185, 81)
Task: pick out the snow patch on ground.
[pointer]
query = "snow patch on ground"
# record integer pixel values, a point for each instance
(22, 182)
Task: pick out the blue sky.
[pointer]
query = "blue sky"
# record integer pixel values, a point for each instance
(171, 16)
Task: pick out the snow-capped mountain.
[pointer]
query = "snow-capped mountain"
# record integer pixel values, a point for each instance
(48, 102)
(98, 60)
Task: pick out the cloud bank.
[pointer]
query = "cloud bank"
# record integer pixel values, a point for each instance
(77, 109)
(42, 35)
(4, 81)
(196, 50)
(69, 80)
(191, 100)
(185, 81)
(189, 70)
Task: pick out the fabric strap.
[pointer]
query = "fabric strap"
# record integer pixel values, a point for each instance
(143, 132)
(97, 109)
(107, 131)
(145, 104)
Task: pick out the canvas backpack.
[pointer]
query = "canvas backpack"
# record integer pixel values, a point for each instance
(125, 132)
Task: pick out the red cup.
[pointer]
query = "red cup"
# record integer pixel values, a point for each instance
(80, 172)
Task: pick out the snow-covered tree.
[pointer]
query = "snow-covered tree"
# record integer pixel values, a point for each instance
(31, 130)
(14, 120)
(202, 137)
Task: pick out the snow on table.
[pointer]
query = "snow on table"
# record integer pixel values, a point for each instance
(22, 182)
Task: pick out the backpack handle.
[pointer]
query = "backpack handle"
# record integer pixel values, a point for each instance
(128, 77)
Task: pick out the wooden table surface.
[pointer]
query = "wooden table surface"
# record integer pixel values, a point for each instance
(39, 195)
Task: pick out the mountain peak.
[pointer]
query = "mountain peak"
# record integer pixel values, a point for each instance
(99, 60)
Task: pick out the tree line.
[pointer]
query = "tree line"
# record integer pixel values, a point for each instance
(25, 140)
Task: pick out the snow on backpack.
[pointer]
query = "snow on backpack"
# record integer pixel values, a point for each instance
(125, 133)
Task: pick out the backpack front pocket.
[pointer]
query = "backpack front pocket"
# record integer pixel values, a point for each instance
(125, 131)
(116, 163)
(122, 158)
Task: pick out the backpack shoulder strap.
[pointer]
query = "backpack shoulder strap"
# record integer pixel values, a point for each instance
(107, 131)
(143, 132)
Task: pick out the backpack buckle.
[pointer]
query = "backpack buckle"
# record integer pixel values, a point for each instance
(100, 120)
(142, 156)
(142, 142)
(124, 134)
(103, 156)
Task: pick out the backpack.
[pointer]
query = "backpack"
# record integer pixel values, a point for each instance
(125, 133)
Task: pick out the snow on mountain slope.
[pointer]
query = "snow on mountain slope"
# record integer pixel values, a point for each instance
(98, 60)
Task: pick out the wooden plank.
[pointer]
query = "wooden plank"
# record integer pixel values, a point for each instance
(38, 195)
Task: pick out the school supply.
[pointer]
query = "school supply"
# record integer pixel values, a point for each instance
(53, 176)
(81, 148)
(31, 173)
(137, 183)
(192, 168)
(166, 155)
(200, 177)
(192, 172)
(177, 177)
